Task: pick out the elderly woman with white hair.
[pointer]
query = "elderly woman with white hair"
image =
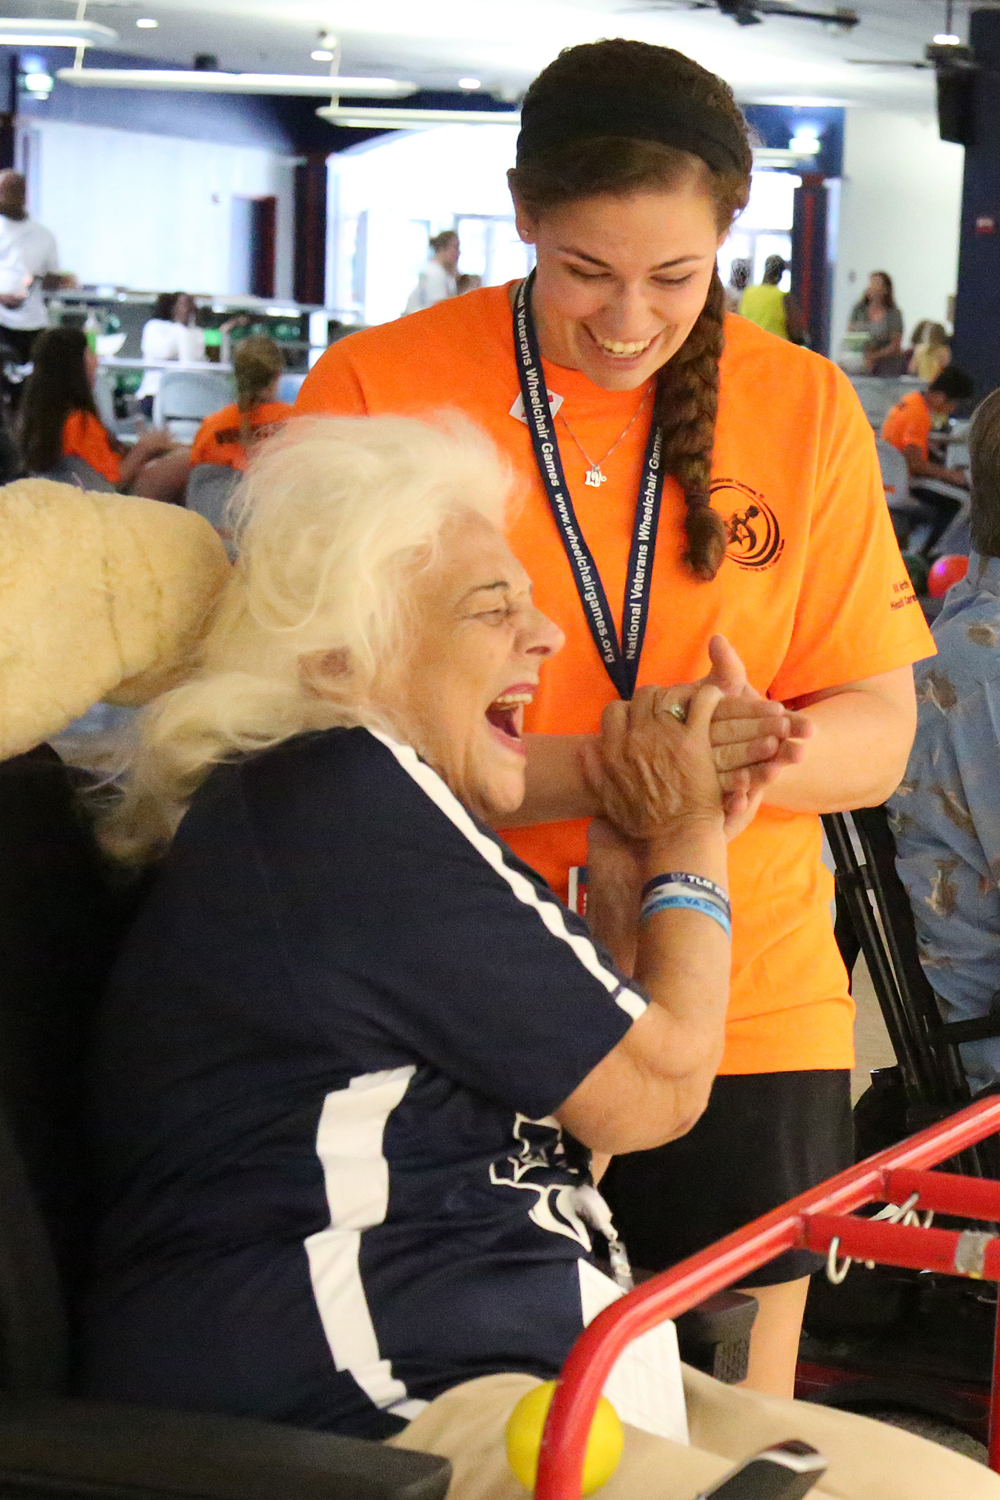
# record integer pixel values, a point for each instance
(355, 1055)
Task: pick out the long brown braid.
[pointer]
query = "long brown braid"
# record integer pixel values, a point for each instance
(687, 399)
(687, 386)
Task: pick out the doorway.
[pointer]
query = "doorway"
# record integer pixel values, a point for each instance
(252, 246)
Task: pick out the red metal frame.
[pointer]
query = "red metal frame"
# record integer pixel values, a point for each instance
(810, 1221)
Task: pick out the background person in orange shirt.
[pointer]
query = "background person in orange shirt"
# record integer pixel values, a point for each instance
(908, 428)
(58, 419)
(227, 436)
(908, 425)
(692, 475)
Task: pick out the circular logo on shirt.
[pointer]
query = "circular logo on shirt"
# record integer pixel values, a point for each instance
(753, 535)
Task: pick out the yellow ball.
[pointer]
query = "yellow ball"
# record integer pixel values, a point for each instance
(524, 1439)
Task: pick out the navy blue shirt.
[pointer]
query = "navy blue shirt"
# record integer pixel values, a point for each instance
(331, 1183)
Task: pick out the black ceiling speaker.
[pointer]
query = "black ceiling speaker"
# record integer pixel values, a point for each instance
(954, 104)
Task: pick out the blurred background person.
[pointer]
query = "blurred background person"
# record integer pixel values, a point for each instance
(910, 422)
(877, 315)
(227, 436)
(438, 278)
(739, 277)
(59, 421)
(946, 812)
(171, 333)
(771, 308)
(908, 427)
(931, 351)
(468, 282)
(225, 440)
(29, 265)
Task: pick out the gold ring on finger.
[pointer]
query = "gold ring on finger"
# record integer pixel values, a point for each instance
(679, 712)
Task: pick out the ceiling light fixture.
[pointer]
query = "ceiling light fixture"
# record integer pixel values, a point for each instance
(414, 119)
(38, 85)
(198, 81)
(947, 39)
(16, 32)
(146, 23)
(469, 83)
(321, 54)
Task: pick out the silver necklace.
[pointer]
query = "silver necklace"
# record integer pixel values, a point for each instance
(595, 476)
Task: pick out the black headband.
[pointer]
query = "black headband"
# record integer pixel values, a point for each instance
(586, 113)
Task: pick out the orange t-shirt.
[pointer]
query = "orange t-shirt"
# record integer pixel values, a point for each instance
(84, 436)
(218, 438)
(909, 424)
(813, 594)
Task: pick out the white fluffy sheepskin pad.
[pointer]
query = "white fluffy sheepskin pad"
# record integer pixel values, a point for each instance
(102, 597)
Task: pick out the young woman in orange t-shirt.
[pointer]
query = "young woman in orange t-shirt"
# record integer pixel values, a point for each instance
(688, 476)
(227, 436)
(58, 419)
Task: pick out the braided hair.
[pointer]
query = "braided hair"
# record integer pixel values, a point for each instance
(687, 386)
(257, 361)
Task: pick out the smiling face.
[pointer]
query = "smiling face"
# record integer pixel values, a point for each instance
(479, 643)
(621, 281)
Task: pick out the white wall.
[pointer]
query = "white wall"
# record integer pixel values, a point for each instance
(404, 187)
(899, 212)
(150, 211)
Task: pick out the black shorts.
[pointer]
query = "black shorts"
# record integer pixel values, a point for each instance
(764, 1138)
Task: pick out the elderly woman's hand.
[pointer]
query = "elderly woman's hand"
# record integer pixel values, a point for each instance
(656, 768)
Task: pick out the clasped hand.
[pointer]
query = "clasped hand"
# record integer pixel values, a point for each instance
(651, 768)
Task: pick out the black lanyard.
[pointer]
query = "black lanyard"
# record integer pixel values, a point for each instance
(622, 665)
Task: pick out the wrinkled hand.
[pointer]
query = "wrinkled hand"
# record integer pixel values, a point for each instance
(649, 768)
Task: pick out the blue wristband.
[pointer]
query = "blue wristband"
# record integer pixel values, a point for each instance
(698, 885)
(679, 902)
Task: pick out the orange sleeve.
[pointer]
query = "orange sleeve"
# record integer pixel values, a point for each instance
(332, 386)
(906, 426)
(857, 614)
(203, 445)
(83, 436)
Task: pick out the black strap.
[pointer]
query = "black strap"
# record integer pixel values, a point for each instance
(621, 660)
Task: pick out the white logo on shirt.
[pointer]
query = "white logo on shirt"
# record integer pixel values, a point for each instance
(542, 1151)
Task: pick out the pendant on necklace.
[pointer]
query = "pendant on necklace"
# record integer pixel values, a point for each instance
(595, 478)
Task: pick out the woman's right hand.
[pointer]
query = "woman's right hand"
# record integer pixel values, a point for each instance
(152, 443)
(655, 770)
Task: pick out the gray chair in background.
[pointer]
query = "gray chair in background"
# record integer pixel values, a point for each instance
(76, 471)
(208, 490)
(878, 394)
(895, 474)
(187, 397)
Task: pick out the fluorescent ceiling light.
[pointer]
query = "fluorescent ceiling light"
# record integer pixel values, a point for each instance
(415, 119)
(234, 83)
(21, 33)
(146, 23)
(945, 39)
(469, 83)
(322, 54)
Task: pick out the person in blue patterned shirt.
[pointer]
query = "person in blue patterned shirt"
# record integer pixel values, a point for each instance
(946, 812)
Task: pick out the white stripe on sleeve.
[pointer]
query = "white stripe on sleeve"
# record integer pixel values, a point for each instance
(550, 912)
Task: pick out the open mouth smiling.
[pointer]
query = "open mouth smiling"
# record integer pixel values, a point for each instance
(622, 349)
(505, 716)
